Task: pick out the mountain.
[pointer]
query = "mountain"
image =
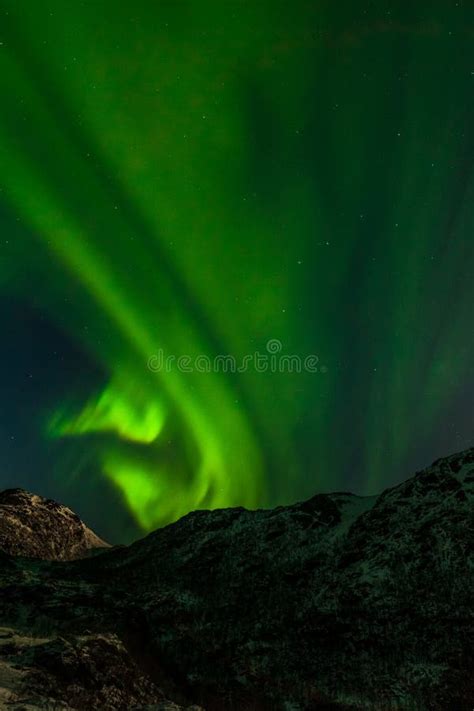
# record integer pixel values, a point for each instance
(339, 602)
(35, 527)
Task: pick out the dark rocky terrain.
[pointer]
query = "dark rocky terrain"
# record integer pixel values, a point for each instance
(339, 602)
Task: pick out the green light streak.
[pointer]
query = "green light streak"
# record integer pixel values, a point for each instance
(202, 177)
(134, 403)
(113, 412)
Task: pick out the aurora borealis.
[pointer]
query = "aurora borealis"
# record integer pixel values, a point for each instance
(202, 178)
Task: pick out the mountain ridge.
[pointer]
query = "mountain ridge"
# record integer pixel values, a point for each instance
(339, 602)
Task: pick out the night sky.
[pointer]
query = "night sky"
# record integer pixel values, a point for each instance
(203, 177)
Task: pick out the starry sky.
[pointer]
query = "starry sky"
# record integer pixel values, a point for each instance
(204, 178)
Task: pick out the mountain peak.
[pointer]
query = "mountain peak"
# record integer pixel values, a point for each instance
(36, 527)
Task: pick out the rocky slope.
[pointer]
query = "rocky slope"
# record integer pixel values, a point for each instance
(89, 671)
(339, 602)
(41, 528)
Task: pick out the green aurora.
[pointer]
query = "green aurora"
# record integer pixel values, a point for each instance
(203, 177)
